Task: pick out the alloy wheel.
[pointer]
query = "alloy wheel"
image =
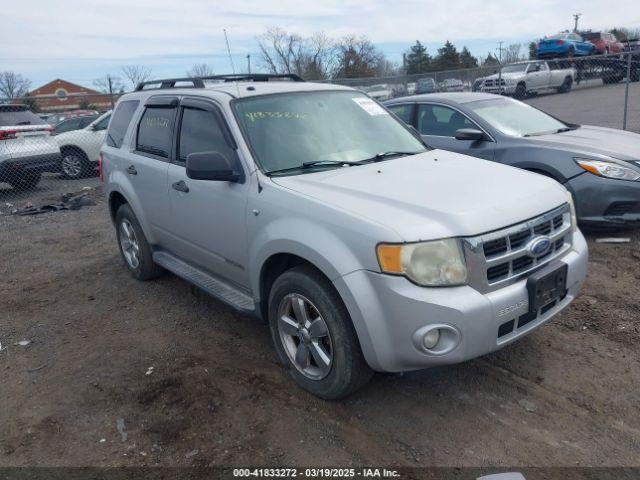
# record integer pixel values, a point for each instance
(72, 166)
(305, 336)
(129, 244)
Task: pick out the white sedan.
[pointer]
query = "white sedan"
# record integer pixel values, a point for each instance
(80, 148)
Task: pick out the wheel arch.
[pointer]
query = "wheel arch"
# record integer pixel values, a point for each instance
(75, 148)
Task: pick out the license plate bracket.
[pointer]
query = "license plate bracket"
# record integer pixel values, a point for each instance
(547, 285)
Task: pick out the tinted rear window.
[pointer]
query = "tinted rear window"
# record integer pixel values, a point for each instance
(155, 131)
(120, 122)
(15, 116)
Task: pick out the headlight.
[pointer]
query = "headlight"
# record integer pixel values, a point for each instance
(434, 264)
(572, 210)
(608, 169)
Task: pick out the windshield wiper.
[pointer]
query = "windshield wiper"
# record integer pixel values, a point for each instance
(26, 122)
(565, 129)
(379, 157)
(328, 162)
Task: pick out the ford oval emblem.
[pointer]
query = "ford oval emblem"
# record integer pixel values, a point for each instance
(539, 246)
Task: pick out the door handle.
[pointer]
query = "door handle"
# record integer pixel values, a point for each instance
(132, 170)
(180, 186)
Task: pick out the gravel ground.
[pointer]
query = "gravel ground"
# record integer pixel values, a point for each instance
(123, 373)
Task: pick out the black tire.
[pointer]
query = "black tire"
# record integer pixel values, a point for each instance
(145, 269)
(635, 74)
(25, 180)
(566, 85)
(521, 91)
(348, 370)
(74, 163)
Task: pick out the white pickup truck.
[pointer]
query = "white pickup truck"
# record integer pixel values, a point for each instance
(522, 78)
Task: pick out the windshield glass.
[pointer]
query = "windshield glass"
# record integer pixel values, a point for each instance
(287, 130)
(515, 118)
(514, 68)
(558, 36)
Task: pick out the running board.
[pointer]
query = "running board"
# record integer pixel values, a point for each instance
(213, 286)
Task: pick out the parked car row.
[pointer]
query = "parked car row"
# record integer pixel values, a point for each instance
(29, 148)
(365, 248)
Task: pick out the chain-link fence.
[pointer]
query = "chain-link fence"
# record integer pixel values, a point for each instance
(51, 142)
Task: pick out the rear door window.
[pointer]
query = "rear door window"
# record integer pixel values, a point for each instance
(120, 122)
(155, 131)
(200, 131)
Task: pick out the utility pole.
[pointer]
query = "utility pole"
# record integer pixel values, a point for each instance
(500, 66)
(110, 90)
(576, 16)
(249, 63)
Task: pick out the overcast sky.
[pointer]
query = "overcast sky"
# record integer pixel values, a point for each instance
(80, 40)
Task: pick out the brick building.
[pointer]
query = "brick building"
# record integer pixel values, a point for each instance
(60, 95)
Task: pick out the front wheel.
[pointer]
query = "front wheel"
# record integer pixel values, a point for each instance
(521, 91)
(74, 164)
(314, 336)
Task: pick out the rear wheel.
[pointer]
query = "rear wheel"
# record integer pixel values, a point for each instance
(134, 248)
(566, 85)
(314, 336)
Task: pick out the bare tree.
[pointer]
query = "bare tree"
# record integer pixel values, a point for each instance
(13, 85)
(512, 53)
(200, 70)
(283, 53)
(136, 74)
(109, 85)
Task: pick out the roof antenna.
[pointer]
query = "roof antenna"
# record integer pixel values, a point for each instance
(233, 69)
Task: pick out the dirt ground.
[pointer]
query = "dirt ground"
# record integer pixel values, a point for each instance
(123, 373)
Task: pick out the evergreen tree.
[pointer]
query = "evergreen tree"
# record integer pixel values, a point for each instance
(532, 51)
(491, 60)
(467, 60)
(448, 57)
(417, 60)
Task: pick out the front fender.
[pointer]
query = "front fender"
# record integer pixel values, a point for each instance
(309, 240)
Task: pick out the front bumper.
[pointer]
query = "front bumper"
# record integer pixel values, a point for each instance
(602, 202)
(387, 311)
(503, 90)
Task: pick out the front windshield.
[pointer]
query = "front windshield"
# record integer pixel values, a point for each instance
(287, 130)
(515, 118)
(514, 68)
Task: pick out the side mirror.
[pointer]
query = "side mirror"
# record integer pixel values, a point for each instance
(469, 134)
(211, 166)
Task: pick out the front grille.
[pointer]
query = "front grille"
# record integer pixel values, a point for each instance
(497, 257)
(494, 83)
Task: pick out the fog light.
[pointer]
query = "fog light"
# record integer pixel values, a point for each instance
(431, 338)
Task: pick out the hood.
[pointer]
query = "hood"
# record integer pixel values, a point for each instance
(506, 76)
(432, 195)
(588, 140)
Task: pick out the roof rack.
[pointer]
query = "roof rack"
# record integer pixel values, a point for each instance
(198, 82)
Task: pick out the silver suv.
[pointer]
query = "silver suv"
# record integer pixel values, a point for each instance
(312, 206)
